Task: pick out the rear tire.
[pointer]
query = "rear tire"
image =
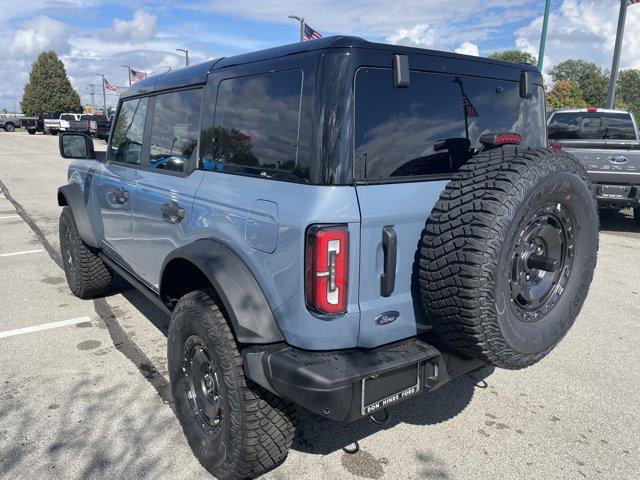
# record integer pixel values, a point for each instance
(31, 132)
(478, 285)
(87, 275)
(235, 428)
(636, 215)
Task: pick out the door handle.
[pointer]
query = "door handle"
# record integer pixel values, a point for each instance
(121, 196)
(390, 252)
(172, 213)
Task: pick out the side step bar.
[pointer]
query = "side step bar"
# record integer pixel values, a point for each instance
(140, 286)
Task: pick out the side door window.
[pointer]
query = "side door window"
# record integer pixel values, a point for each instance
(175, 129)
(128, 134)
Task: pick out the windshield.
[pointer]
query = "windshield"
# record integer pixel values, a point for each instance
(591, 126)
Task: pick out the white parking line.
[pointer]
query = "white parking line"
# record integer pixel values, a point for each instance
(45, 326)
(25, 252)
(7, 217)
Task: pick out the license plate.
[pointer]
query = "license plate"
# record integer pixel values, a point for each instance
(389, 388)
(615, 191)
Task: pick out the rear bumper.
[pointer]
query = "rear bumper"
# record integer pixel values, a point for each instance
(331, 383)
(617, 196)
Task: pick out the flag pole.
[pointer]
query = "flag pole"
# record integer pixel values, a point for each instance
(104, 95)
(464, 110)
(616, 54)
(301, 20)
(543, 38)
(128, 71)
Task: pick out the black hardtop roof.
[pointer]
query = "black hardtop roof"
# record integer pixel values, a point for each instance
(197, 75)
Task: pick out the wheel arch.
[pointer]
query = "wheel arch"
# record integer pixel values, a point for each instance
(71, 195)
(186, 268)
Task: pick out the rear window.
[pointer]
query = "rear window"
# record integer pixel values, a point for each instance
(432, 127)
(591, 126)
(68, 117)
(255, 130)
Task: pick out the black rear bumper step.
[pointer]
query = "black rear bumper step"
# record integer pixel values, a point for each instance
(329, 383)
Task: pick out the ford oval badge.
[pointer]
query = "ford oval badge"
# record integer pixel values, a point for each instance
(386, 317)
(618, 159)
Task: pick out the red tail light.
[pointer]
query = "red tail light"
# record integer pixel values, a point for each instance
(326, 269)
(592, 110)
(492, 140)
(508, 139)
(556, 147)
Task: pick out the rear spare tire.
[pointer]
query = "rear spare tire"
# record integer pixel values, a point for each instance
(508, 255)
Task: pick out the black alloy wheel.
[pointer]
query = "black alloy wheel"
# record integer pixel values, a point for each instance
(541, 261)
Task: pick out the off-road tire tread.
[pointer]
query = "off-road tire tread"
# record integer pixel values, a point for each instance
(267, 422)
(461, 243)
(94, 277)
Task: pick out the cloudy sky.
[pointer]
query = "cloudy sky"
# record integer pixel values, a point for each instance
(97, 36)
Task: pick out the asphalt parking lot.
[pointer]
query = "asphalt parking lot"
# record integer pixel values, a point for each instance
(90, 399)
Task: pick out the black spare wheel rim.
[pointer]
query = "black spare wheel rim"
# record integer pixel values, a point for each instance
(541, 261)
(201, 387)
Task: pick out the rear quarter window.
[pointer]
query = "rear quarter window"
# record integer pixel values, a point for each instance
(256, 124)
(430, 127)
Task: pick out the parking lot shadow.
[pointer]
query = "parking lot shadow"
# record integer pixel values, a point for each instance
(86, 426)
(318, 435)
(619, 222)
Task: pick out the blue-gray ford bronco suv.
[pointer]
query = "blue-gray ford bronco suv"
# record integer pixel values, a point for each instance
(336, 225)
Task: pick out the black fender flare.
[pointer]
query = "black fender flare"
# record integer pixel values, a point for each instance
(249, 312)
(73, 196)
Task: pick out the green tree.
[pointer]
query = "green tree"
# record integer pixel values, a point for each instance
(49, 89)
(566, 95)
(514, 56)
(589, 77)
(628, 90)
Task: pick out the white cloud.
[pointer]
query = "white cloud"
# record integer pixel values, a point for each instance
(383, 19)
(468, 48)
(41, 33)
(585, 29)
(142, 26)
(420, 35)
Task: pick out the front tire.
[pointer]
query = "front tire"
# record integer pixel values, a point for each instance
(636, 215)
(508, 255)
(87, 275)
(235, 428)
(9, 127)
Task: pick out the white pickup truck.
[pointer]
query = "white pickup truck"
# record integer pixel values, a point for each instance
(9, 123)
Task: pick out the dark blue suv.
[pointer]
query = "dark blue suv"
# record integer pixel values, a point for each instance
(337, 225)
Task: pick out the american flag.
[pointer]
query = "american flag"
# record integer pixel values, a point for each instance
(311, 34)
(469, 109)
(136, 75)
(111, 88)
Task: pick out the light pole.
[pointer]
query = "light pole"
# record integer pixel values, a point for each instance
(543, 38)
(104, 95)
(92, 94)
(128, 72)
(186, 54)
(301, 20)
(616, 52)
